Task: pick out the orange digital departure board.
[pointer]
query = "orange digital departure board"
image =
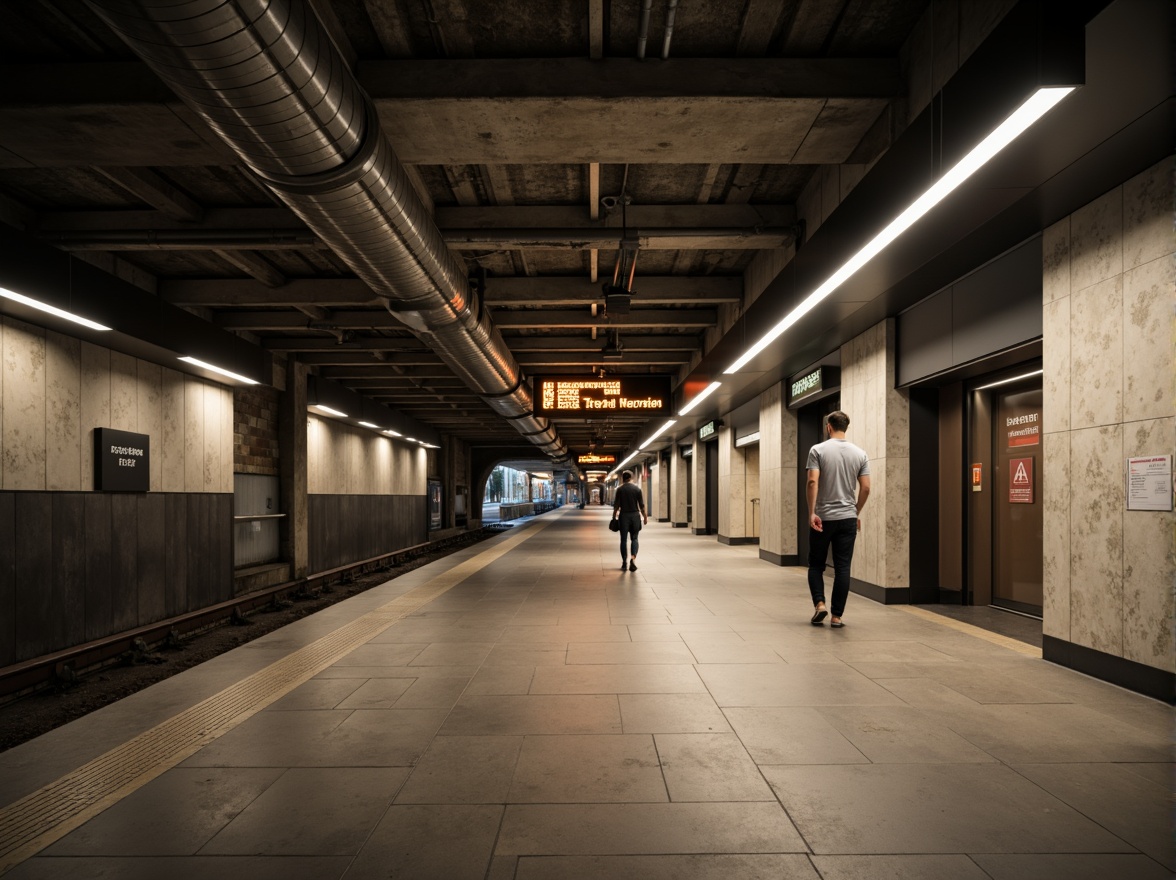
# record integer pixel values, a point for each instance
(596, 459)
(589, 397)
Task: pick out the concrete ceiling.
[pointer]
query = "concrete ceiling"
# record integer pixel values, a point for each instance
(537, 140)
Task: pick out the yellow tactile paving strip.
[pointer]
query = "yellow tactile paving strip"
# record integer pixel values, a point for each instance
(960, 626)
(45, 816)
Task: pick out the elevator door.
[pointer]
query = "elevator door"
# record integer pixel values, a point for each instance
(1017, 516)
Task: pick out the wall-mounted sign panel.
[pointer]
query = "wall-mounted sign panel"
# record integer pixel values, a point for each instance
(593, 458)
(1020, 481)
(588, 397)
(122, 461)
(813, 385)
(710, 430)
(1149, 482)
(1024, 429)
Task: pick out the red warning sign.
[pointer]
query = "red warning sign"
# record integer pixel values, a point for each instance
(1020, 481)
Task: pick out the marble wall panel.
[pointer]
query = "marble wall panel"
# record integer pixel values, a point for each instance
(172, 442)
(678, 466)
(314, 453)
(1055, 261)
(1096, 241)
(1147, 216)
(897, 540)
(124, 392)
(1096, 354)
(150, 417)
(213, 413)
(193, 434)
(226, 439)
(697, 464)
(1096, 543)
(1149, 559)
(1148, 382)
(1055, 500)
(1055, 380)
(23, 441)
(751, 484)
(63, 413)
(95, 404)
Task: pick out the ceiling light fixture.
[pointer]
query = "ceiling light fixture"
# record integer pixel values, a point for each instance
(370, 425)
(392, 433)
(669, 424)
(1007, 381)
(221, 370)
(706, 392)
(52, 310)
(1024, 116)
(329, 411)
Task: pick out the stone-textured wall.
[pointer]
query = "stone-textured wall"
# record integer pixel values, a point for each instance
(1108, 280)
(739, 483)
(879, 417)
(55, 389)
(777, 474)
(678, 474)
(343, 460)
(255, 431)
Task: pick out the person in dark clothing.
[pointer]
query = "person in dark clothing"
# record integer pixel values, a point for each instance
(629, 506)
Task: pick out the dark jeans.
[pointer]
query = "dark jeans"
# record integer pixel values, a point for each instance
(841, 533)
(630, 526)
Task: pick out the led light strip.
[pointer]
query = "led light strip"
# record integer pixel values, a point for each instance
(52, 310)
(1004, 134)
(221, 370)
(706, 392)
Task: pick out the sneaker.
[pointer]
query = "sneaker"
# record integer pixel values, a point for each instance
(623, 565)
(633, 565)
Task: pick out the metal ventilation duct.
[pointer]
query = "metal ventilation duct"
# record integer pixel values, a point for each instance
(266, 77)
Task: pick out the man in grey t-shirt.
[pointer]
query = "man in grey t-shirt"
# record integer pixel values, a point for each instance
(837, 488)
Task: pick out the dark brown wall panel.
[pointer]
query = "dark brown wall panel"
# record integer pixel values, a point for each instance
(124, 563)
(69, 571)
(36, 624)
(151, 564)
(347, 528)
(78, 566)
(7, 578)
(175, 553)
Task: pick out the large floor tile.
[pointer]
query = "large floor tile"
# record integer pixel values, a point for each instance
(376, 693)
(1071, 867)
(792, 735)
(318, 693)
(671, 713)
(270, 739)
(901, 735)
(463, 770)
(1126, 804)
(588, 769)
(174, 814)
(377, 738)
(955, 867)
(617, 679)
(429, 843)
(931, 808)
(629, 653)
(634, 829)
(183, 868)
(785, 685)
(309, 812)
(515, 715)
(709, 767)
(717, 867)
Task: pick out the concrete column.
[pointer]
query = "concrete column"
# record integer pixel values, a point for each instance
(778, 457)
(879, 424)
(292, 423)
(698, 488)
(678, 466)
(734, 518)
(663, 486)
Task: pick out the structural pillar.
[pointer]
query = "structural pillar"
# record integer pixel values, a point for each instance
(293, 462)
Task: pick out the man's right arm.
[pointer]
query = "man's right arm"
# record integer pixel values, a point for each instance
(810, 494)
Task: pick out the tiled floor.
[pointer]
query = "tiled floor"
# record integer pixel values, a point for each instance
(549, 716)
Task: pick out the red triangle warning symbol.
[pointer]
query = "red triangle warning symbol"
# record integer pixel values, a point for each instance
(1020, 476)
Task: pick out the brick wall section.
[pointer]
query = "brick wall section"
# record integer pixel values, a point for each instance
(255, 431)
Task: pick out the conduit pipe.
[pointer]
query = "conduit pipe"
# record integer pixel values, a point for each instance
(671, 12)
(267, 79)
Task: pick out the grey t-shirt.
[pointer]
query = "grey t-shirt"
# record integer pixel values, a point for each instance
(840, 464)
